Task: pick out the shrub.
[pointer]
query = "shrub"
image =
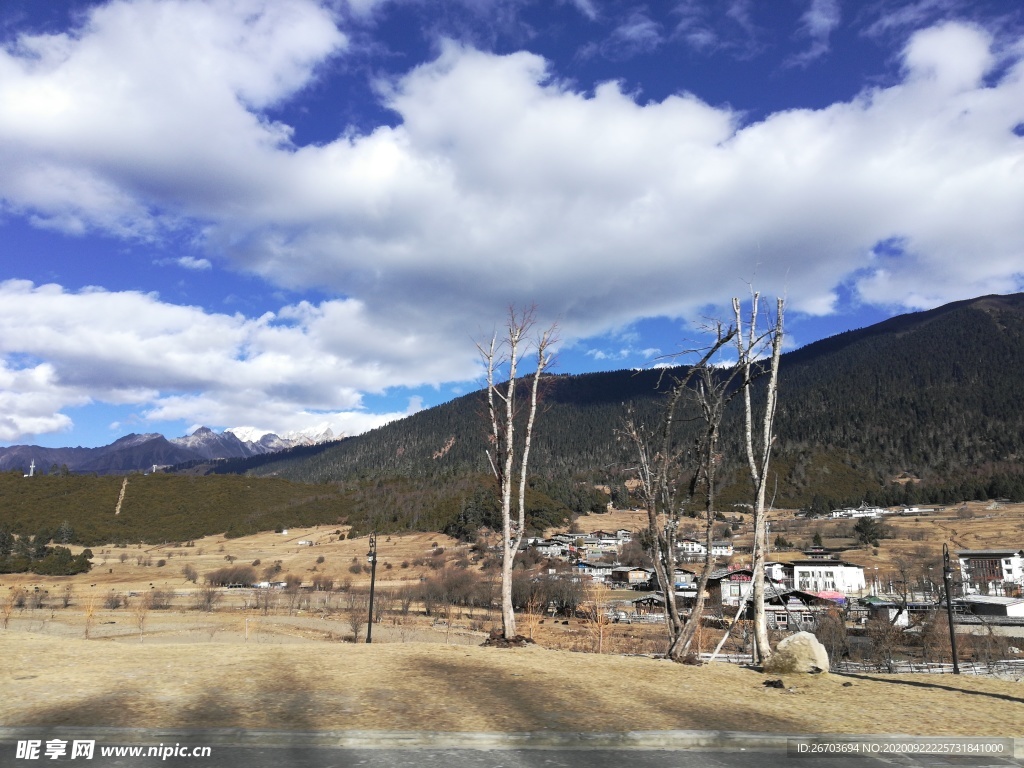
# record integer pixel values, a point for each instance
(190, 573)
(319, 560)
(161, 563)
(113, 600)
(232, 574)
(322, 583)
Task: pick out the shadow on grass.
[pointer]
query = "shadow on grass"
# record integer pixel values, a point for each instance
(209, 719)
(920, 684)
(530, 700)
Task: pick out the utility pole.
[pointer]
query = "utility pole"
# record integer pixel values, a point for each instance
(947, 577)
(372, 556)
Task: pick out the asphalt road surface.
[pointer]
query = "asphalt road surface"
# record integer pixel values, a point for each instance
(334, 757)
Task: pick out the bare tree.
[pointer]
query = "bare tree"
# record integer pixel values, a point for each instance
(357, 608)
(508, 453)
(141, 611)
(90, 614)
(6, 609)
(596, 610)
(759, 450)
(663, 467)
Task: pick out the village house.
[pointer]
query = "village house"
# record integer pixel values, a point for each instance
(551, 549)
(792, 610)
(827, 576)
(692, 549)
(598, 572)
(862, 511)
(993, 607)
(992, 571)
(729, 586)
(628, 576)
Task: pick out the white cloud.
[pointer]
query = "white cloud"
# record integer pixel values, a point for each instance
(31, 399)
(586, 7)
(637, 34)
(497, 183)
(88, 142)
(818, 22)
(285, 371)
(191, 262)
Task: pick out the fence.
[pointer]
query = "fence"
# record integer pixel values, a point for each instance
(1004, 667)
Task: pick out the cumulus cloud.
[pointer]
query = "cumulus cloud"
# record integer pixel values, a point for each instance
(293, 369)
(31, 399)
(497, 182)
(88, 142)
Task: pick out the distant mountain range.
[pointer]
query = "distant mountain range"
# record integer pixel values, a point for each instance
(921, 407)
(142, 452)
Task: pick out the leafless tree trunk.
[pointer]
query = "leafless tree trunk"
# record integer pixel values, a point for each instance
(356, 610)
(141, 611)
(713, 395)
(508, 456)
(661, 466)
(759, 452)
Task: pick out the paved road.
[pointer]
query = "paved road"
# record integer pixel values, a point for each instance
(699, 749)
(326, 757)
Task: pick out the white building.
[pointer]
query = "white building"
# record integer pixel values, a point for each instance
(828, 576)
(862, 511)
(695, 548)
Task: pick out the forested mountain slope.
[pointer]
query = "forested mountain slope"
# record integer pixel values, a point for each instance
(934, 394)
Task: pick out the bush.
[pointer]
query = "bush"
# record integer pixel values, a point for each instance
(113, 600)
(190, 573)
(232, 574)
(323, 583)
(320, 560)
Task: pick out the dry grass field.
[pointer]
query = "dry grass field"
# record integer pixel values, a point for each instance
(415, 686)
(286, 668)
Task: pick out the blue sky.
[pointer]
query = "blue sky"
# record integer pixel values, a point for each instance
(289, 214)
